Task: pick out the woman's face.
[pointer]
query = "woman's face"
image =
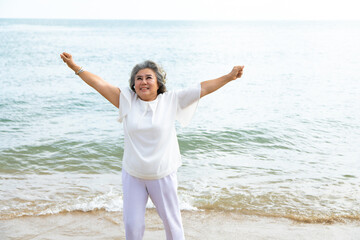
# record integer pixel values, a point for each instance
(146, 85)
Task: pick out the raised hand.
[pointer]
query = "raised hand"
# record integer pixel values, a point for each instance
(68, 59)
(236, 72)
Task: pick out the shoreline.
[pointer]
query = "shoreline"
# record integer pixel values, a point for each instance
(197, 225)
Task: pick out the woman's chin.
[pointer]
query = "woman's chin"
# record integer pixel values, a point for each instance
(147, 96)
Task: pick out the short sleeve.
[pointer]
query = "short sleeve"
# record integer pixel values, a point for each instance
(187, 102)
(124, 102)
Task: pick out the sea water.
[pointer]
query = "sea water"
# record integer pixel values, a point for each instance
(281, 141)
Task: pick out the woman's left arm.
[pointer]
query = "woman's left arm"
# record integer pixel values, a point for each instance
(213, 85)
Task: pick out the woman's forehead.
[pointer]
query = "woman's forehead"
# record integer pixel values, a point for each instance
(145, 71)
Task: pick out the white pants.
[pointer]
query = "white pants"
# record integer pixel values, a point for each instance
(163, 193)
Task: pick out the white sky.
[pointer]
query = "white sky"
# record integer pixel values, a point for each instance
(183, 9)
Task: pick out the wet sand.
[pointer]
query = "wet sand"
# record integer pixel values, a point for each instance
(198, 225)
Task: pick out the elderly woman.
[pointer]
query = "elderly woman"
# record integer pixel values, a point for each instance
(151, 150)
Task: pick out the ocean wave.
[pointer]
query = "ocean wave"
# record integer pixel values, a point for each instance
(232, 140)
(246, 204)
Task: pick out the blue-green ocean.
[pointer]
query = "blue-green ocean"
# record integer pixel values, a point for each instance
(281, 141)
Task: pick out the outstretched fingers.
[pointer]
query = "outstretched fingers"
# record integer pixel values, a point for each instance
(65, 56)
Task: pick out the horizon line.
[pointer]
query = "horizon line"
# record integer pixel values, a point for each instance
(193, 20)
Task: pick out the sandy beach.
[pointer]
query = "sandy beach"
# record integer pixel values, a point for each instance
(198, 225)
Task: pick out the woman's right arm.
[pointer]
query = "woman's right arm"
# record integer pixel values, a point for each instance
(109, 91)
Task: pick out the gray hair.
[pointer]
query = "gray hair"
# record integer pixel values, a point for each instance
(159, 72)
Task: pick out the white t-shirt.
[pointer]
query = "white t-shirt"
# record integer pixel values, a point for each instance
(151, 148)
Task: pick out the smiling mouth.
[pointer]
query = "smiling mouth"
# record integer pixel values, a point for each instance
(143, 88)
